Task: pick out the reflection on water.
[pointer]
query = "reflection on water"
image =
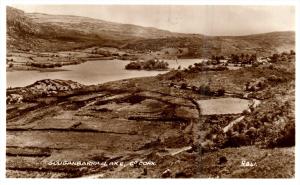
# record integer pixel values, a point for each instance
(88, 73)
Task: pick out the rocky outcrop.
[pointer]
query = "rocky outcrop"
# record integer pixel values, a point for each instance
(257, 84)
(41, 88)
(49, 86)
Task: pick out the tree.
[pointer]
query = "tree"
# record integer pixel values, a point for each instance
(247, 56)
(253, 58)
(183, 86)
(292, 52)
(274, 58)
(235, 58)
(220, 92)
(242, 57)
(218, 59)
(205, 90)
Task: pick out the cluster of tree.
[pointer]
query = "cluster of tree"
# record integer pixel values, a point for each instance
(198, 67)
(284, 56)
(204, 90)
(274, 58)
(243, 58)
(152, 64)
(292, 52)
(216, 59)
(10, 62)
(259, 128)
(44, 65)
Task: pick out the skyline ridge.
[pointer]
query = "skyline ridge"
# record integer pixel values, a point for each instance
(175, 21)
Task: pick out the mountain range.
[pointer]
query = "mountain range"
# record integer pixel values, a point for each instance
(43, 32)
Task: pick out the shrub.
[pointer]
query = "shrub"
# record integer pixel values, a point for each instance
(236, 140)
(194, 88)
(271, 66)
(183, 86)
(274, 78)
(176, 76)
(281, 137)
(220, 92)
(245, 112)
(274, 58)
(205, 90)
(133, 65)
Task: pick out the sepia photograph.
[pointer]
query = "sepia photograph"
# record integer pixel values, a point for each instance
(150, 91)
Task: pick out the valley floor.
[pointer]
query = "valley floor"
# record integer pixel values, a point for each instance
(144, 127)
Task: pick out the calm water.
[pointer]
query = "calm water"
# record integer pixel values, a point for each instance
(224, 106)
(88, 73)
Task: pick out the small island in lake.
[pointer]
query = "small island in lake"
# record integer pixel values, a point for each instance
(151, 64)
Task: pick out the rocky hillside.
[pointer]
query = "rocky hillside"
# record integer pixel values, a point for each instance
(98, 27)
(62, 32)
(24, 34)
(198, 46)
(42, 88)
(42, 32)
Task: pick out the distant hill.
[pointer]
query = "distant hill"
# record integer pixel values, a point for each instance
(261, 44)
(98, 27)
(42, 32)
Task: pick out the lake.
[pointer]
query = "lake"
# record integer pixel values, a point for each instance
(223, 106)
(90, 72)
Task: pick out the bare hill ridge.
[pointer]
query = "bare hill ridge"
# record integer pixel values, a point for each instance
(43, 32)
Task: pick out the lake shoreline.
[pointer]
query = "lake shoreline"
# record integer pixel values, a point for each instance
(97, 71)
(43, 61)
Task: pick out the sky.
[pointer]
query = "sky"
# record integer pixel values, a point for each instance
(218, 20)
